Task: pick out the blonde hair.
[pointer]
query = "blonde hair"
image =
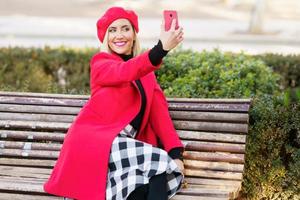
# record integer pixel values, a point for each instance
(136, 48)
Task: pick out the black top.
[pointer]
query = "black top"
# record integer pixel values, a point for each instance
(137, 121)
(156, 55)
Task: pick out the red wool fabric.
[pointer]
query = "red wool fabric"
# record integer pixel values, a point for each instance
(81, 169)
(113, 14)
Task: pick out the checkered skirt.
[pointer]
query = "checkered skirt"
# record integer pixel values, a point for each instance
(132, 163)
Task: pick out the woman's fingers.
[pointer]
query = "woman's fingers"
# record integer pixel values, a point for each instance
(179, 164)
(162, 26)
(178, 31)
(173, 24)
(179, 36)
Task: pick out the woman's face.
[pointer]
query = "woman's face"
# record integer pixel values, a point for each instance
(121, 36)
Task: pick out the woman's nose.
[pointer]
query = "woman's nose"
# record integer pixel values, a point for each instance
(119, 34)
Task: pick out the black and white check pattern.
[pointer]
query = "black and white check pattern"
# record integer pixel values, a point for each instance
(132, 163)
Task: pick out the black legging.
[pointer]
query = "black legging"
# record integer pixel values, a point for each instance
(155, 190)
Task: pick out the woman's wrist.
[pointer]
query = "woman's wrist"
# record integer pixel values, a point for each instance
(176, 153)
(157, 53)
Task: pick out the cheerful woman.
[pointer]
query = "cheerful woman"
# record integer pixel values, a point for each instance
(111, 149)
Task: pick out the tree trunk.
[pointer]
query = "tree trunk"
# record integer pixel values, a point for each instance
(257, 17)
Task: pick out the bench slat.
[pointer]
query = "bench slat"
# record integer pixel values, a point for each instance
(24, 179)
(213, 174)
(43, 95)
(29, 146)
(189, 164)
(210, 100)
(182, 125)
(30, 153)
(203, 156)
(39, 109)
(189, 197)
(41, 101)
(205, 192)
(232, 191)
(224, 107)
(211, 126)
(212, 182)
(20, 186)
(85, 97)
(213, 147)
(37, 117)
(14, 196)
(189, 145)
(196, 164)
(186, 106)
(48, 126)
(27, 162)
(214, 156)
(29, 172)
(210, 116)
(220, 166)
(31, 135)
(211, 136)
(65, 117)
(184, 135)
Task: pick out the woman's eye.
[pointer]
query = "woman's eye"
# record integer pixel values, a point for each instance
(127, 29)
(111, 30)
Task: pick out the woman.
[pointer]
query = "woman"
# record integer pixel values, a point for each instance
(110, 149)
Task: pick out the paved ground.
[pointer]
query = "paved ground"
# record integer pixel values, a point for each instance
(208, 24)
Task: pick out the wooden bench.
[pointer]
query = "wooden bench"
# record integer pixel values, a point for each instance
(33, 126)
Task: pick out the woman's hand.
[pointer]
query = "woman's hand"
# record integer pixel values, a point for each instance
(180, 165)
(171, 38)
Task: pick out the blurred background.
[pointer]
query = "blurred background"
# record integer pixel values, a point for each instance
(252, 26)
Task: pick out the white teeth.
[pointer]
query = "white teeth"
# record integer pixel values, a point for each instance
(120, 43)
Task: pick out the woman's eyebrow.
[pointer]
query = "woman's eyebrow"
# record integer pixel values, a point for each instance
(121, 26)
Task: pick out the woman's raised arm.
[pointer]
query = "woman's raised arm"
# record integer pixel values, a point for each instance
(107, 71)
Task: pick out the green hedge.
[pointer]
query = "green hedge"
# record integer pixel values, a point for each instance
(36, 70)
(220, 74)
(215, 74)
(288, 66)
(273, 150)
(272, 156)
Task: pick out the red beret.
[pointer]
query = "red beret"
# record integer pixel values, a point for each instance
(113, 14)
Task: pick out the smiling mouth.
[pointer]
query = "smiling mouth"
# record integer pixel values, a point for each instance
(120, 44)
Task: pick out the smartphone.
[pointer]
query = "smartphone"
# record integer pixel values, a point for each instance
(169, 15)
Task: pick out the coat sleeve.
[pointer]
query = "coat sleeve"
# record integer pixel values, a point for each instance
(108, 71)
(161, 121)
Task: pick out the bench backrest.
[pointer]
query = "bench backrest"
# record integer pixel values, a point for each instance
(33, 126)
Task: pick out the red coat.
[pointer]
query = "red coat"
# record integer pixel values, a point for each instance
(81, 169)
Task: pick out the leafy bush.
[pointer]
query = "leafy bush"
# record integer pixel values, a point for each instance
(272, 151)
(37, 70)
(288, 66)
(215, 74)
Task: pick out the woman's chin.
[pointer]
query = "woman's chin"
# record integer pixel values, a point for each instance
(121, 51)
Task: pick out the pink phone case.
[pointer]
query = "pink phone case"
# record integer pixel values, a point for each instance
(169, 15)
